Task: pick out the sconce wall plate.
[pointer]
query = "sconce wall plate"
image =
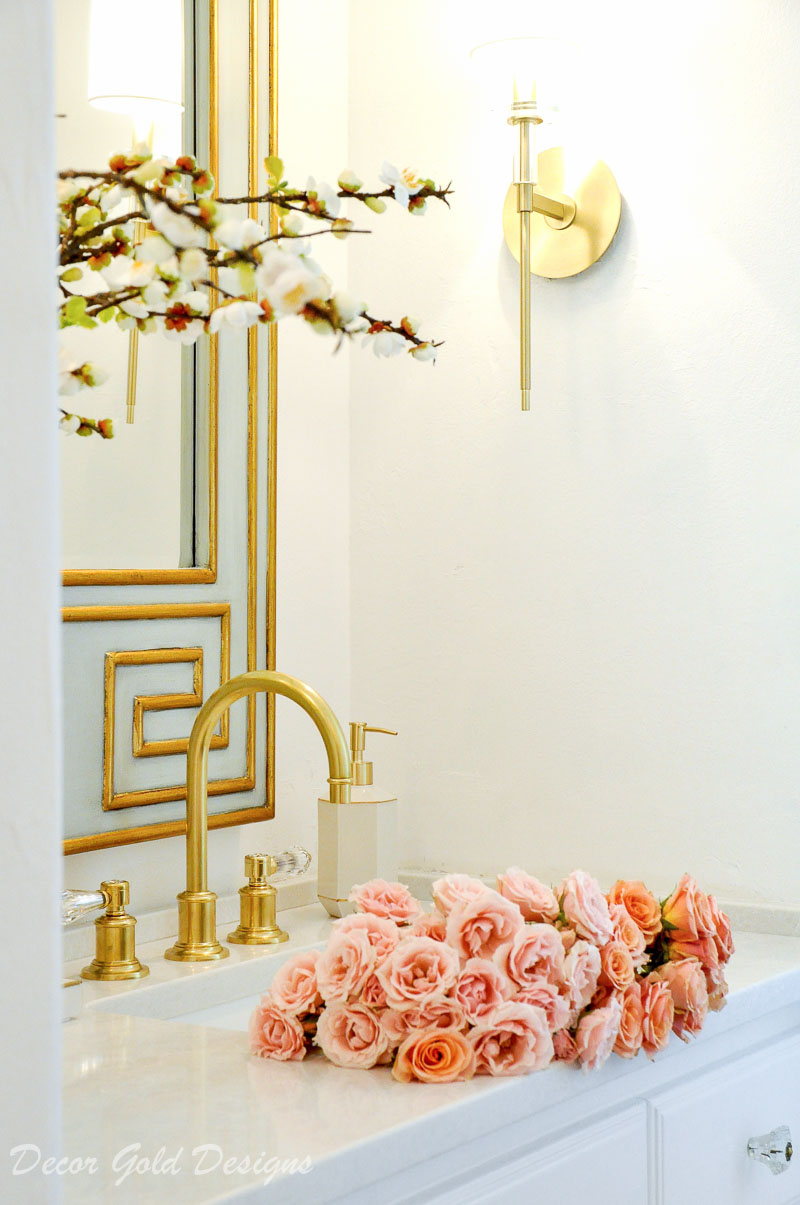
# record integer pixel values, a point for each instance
(560, 248)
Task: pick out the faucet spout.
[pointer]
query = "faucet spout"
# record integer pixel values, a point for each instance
(197, 939)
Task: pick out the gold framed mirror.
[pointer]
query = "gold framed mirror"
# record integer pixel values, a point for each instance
(144, 645)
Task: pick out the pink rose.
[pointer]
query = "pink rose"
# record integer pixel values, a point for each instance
(456, 889)
(351, 1035)
(628, 932)
(373, 993)
(535, 901)
(629, 1038)
(581, 972)
(640, 904)
(687, 983)
(480, 988)
(476, 929)
(564, 1048)
(616, 966)
(430, 924)
(435, 1056)
(723, 938)
(419, 971)
(512, 1040)
(546, 996)
(382, 934)
(294, 988)
(399, 1023)
(535, 952)
(585, 907)
(658, 1015)
(392, 901)
(345, 966)
(275, 1035)
(596, 1034)
(717, 986)
(687, 912)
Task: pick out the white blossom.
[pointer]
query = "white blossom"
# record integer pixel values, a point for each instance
(236, 234)
(177, 227)
(386, 343)
(236, 314)
(404, 184)
(325, 195)
(424, 351)
(69, 423)
(347, 307)
(192, 264)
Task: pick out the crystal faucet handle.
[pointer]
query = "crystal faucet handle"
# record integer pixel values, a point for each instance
(260, 867)
(775, 1149)
(76, 903)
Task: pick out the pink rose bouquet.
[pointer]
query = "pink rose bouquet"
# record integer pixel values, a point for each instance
(500, 982)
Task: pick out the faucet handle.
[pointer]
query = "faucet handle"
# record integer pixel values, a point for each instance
(291, 862)
(76, 903)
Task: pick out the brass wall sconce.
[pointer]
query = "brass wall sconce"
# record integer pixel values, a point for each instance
(554, 226)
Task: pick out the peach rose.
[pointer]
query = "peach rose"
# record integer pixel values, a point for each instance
(627, 931)
(546, 996)
(382, 934)
(723, 938)
(535, 952)
(687, 983)
(430, 924)
(687, 912)
(399, 1023)
(596, 1034)
(419, 971)
(477, 928)
(456, 889)
(640, 904)
(294, 988)
(629, 1038)
(512, 1040)
(581, 972)
(435, 1056)
(373, 993)
(535, 901)
(658, 1015)
(345, 966)
(351, 1035)
(275, 1035)
(585, 907)
(392, 901)
(480, 987)
(704, 949)
(564, 1048)
(616, 966)
(717, 986)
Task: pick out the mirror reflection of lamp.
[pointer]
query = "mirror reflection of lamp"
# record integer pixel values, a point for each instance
(136, 69)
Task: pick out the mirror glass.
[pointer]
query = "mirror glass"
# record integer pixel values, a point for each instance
(131, 502)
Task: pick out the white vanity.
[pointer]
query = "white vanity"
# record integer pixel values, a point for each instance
(163, 1062)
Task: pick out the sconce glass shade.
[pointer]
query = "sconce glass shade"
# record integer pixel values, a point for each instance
(136, 59)
(524, 76)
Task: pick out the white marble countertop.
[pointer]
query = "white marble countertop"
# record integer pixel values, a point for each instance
(170, 1086)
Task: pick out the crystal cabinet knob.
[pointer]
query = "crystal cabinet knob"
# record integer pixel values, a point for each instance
(291, 862)
(774, 1149)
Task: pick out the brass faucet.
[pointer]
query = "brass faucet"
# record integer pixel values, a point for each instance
(197, 906)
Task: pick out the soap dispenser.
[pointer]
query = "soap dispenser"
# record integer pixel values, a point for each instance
(357, 840)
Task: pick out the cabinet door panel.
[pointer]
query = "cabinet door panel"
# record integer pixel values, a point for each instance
(602, 1162)
(703, 1126)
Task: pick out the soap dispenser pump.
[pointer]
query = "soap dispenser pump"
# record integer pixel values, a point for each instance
(357, 840)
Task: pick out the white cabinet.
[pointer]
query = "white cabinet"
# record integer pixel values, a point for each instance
(604, 1162)
(702, 1126)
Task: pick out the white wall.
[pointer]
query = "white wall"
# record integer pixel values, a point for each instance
(312, 506)
(30, 820)
(584, 619)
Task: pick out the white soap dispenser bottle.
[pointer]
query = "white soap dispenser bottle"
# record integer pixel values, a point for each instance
(357, 840)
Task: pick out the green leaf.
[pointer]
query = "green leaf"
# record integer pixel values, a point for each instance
(108, 313)
(71, 275)
(274, 167)
(74, 311)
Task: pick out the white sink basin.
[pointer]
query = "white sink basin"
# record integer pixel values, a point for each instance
(220, 995)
